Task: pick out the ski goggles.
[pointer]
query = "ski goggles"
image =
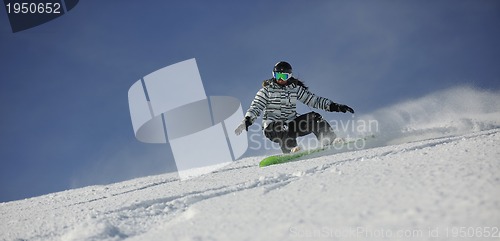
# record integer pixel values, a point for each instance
(282, 75)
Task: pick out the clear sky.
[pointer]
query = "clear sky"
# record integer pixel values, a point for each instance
(65, 120)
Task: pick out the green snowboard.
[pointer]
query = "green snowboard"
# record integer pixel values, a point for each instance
(283, 158)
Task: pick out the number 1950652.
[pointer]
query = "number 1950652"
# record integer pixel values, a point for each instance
(473, 232)
(27, 8)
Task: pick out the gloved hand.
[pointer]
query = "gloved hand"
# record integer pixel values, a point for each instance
(334, 107)
(243, 126)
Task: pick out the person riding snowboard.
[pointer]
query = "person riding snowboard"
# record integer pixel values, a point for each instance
(278, 100)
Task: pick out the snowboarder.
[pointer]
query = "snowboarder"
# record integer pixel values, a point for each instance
(281, 124)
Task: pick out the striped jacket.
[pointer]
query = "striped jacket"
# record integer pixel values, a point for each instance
(280, 102)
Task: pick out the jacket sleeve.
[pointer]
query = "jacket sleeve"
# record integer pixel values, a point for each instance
(310, 99)
(259, 103)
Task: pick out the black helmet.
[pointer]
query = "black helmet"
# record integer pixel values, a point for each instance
(282, 67)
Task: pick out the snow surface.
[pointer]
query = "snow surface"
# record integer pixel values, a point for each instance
(442, 178)
(438, 183)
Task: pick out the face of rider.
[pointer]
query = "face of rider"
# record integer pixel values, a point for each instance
(281, 82)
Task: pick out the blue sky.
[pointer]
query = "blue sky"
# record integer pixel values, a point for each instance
(63, 96)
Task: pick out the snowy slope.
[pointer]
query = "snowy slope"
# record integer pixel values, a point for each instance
(420, 186)
(432, 174)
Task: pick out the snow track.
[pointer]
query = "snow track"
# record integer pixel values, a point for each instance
(438, 183)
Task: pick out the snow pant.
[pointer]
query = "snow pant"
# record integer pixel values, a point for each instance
(285, 134)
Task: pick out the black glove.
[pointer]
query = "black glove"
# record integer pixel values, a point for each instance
(247, 122)
(334, 107)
